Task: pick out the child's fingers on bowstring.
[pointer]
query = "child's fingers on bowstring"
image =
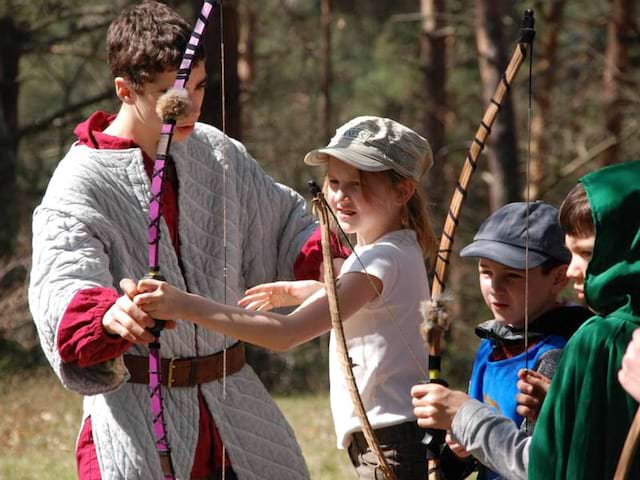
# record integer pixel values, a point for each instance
(531, 381)
(524, 387)
(526, 411)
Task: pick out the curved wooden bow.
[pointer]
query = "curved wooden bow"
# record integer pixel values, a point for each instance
(628, 451)
(436, 321)
(321, 208)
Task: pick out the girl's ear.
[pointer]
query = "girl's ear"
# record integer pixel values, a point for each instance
(404, 190)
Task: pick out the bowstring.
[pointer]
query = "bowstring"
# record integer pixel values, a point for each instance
(376, 290)
(224, 213)
(527, 201)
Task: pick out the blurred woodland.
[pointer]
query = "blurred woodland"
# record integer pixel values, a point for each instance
(294, 71)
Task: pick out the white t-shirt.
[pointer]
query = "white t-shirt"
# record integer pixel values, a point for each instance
(383, 337)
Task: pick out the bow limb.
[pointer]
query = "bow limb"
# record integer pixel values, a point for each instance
(436, 321)
(628, 450)
(171, 107)
(321, 209)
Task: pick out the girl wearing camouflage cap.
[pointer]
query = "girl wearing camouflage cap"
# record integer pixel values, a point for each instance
(373, 169)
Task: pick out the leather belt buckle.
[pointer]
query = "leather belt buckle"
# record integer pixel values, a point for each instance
(170, 377)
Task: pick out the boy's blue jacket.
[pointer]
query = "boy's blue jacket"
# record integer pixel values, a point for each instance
(494, 382)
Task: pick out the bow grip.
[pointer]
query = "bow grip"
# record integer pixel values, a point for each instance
(434, 438)
(159, 325)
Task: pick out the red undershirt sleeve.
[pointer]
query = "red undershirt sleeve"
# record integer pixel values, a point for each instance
(309, 260)
(81, 337)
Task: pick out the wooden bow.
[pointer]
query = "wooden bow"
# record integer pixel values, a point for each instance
(436, 318)
(628, 451)
(322, 210)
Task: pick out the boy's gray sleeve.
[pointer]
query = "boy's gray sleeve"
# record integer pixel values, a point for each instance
(67, 258)
(494, 440)
(277, 223)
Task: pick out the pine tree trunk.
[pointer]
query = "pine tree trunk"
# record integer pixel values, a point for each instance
(212, 111)
(618, 31)
(433, 59)
(502, 151)
(10, 51)
(546, 60)
(247, 61)
(325, 86)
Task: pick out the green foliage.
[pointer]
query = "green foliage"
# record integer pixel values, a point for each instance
(386, 77)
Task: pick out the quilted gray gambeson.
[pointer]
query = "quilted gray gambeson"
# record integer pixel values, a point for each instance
(91, 230)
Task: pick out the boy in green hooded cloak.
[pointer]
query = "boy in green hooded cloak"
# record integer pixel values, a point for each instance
(587, 414)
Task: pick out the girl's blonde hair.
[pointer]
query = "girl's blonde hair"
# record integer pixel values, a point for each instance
(417, 217)
(415, 214)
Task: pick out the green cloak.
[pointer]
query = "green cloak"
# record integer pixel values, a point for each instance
(586, 415)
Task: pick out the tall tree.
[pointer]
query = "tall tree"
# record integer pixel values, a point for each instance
(212, 104)
(502, 152)
(433, 55)
(11, 39)
(619, 28)
(546, 79)
(247, 60)
(325, 83)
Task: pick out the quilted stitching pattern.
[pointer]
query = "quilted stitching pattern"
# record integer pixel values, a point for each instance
(91, 230)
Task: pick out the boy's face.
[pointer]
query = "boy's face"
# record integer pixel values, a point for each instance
(503, 289)
(581, 250)
(145, 104)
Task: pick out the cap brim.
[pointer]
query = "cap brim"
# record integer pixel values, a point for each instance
(504, 253)
(352, 156)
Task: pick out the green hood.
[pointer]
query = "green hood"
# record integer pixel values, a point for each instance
(613, 275)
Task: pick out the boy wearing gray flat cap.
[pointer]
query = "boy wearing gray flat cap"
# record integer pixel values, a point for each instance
(522, 263)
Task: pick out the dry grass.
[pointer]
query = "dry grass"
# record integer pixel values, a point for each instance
(39, 420)
(310, 417)
(38, 425)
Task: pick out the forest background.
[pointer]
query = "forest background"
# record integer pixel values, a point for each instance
(294, 71)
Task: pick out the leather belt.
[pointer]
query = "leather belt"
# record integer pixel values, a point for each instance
(188, 372)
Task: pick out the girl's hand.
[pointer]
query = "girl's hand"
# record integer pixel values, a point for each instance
(456, 447)
(533, 388)
(161, 300)
(278, 294)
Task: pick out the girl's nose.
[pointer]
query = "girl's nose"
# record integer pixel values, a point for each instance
(341, 194)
